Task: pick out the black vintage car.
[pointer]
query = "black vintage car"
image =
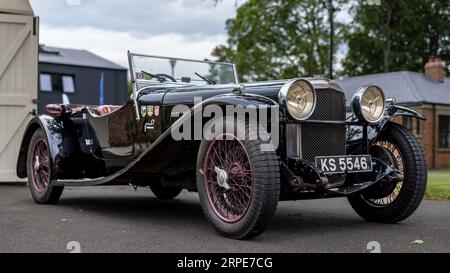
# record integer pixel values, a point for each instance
(242, 147)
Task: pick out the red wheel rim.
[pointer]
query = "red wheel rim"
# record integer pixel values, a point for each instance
(40, 166)
(228, 178)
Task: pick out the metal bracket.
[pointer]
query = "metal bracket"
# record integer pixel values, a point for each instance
(308, 172)
(381, 172)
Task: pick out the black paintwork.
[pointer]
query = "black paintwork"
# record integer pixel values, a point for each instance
(95, 150)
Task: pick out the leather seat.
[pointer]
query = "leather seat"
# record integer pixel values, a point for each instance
(105, 109)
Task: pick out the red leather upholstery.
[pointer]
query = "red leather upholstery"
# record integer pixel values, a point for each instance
(106, 109)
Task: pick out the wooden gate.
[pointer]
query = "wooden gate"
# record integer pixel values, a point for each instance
(18, 86)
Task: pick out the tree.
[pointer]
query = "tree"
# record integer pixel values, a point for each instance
(397, 35)
(273, 39)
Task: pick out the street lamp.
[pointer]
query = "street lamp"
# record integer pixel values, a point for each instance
(331, 11)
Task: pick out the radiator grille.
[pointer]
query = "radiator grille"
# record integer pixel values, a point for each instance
(330, 105)
(322, 140)
(325, 139)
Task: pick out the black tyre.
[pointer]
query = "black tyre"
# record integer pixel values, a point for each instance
(238, 182)
(392, 202)
(39, 171)
(162, 192)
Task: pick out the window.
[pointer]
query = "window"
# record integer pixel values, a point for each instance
(68, 86)
(444, 132)
(46, 82)
(57, 82)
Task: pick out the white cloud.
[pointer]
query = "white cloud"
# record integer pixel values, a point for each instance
(179, 28)
(114, 45)
(194, 18)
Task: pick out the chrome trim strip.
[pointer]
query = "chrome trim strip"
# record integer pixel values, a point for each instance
(134, 83)
(181, 59)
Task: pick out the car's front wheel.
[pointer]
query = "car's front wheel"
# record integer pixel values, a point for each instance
(394, 201)
(39, 171)
(238, 184)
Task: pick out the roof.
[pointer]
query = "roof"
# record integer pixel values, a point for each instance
(407, 87)
(22, 7)
(75, 57)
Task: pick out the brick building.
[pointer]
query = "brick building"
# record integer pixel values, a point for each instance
(427, 93)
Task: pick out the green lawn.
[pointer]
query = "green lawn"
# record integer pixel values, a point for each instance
(438, 185)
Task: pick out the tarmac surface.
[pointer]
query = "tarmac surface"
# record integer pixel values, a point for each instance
(118, 219)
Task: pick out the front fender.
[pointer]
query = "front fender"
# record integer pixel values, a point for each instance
(53, 130)
(355, 133)
(397, 110)
(246, 100)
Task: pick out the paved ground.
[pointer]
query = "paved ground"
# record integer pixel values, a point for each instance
(117, 219)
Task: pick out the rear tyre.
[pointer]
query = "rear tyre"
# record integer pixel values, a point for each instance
(238, 183)
(392, 202)
(165, 193)
(39, 171)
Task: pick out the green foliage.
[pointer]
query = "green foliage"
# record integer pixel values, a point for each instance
(397, 35)
(278, 39)
(272, 39)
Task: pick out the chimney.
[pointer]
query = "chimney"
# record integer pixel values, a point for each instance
(434, 69)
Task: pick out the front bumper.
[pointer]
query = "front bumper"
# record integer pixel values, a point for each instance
(303, 176)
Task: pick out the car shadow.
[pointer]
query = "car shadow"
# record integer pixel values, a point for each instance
(294, 218)
(145, 209)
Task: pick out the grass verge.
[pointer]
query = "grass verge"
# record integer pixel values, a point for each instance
(438, 187)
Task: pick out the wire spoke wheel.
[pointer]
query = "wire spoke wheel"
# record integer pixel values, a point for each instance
(41, 166)
(391, 155)
(228, 178)
(39, 171)
(238, 182)
(395, 198)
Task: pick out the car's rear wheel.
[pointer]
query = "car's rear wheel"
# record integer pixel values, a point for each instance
(238, 184)
(394, 201)
(39, 171)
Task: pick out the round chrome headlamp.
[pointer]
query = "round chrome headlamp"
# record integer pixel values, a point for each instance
(369, 103)
(299, 98)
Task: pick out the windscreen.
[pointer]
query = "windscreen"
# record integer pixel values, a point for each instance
(163, 70)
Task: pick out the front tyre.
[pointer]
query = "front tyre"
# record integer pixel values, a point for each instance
(39, 171)
(238, 184)
(392, 202)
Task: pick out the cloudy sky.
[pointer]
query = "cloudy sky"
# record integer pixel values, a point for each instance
(183, 28)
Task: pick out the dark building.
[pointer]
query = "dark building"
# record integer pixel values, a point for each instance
(79, 77)
(427, 93)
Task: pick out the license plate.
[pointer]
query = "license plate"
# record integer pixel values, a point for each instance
(344, 164)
